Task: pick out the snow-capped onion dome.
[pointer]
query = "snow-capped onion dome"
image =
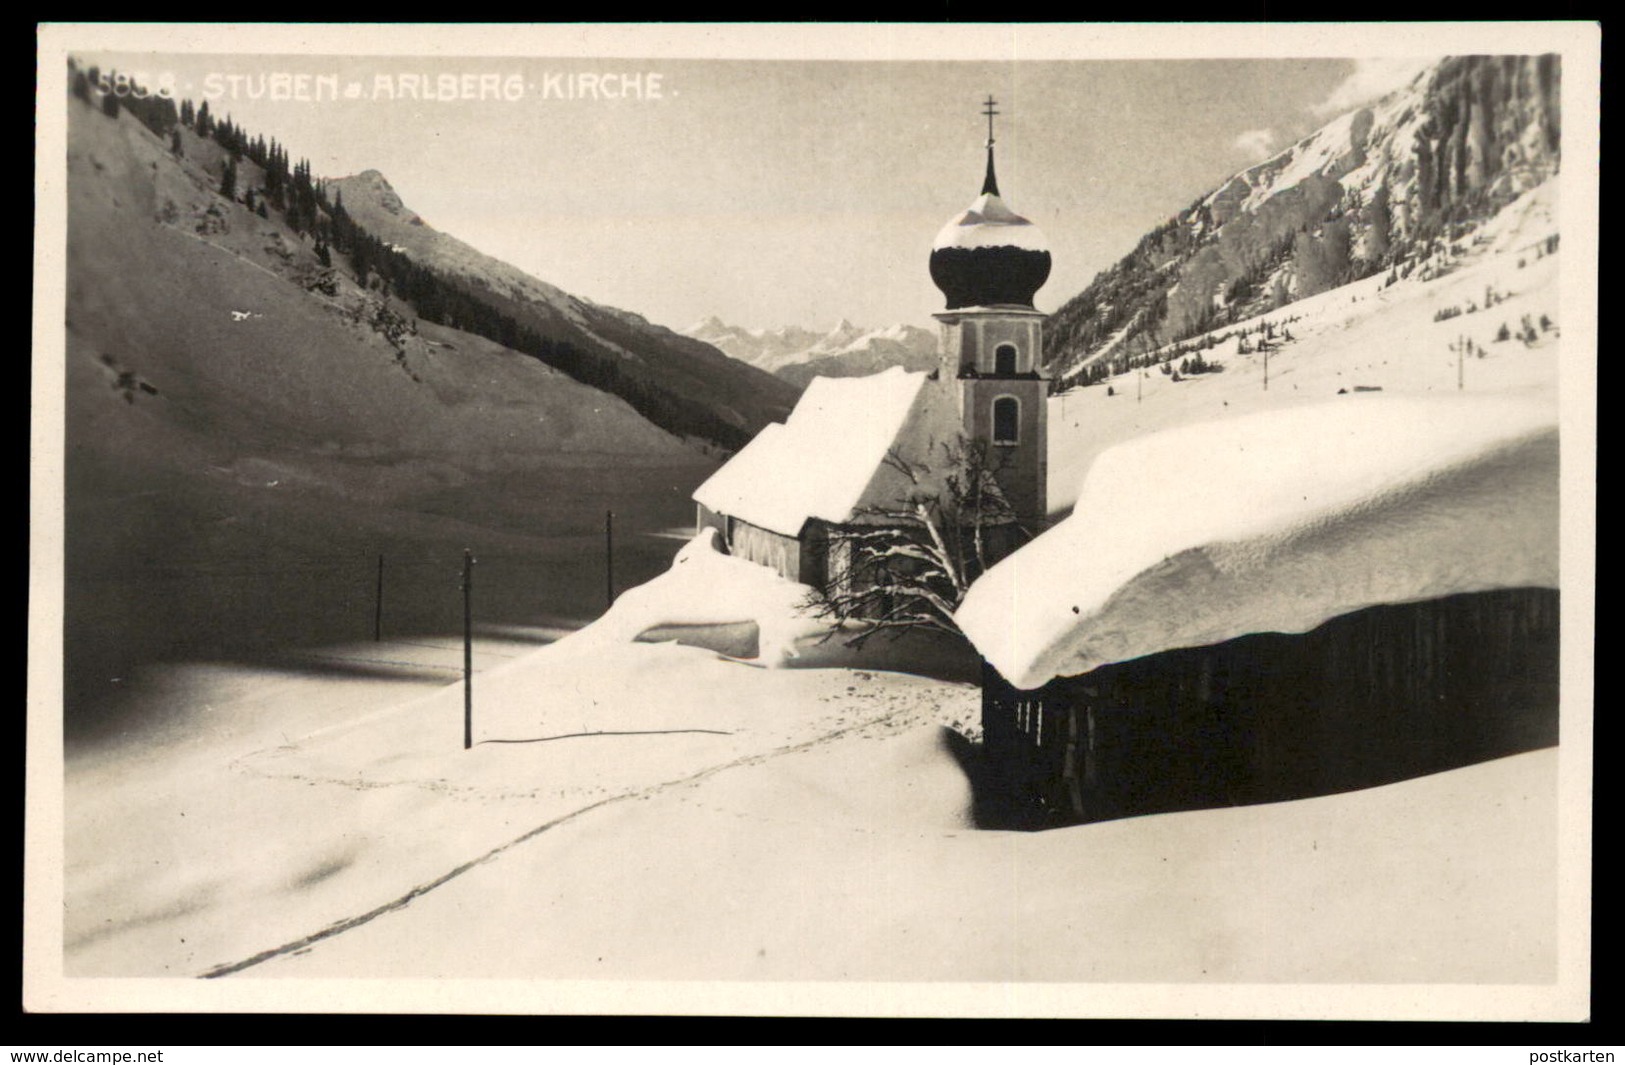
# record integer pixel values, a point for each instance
(988, 255)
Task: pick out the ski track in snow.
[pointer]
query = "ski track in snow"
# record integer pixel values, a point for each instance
(401, 902)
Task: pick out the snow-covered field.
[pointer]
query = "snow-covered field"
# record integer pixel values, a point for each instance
(655, 811)
(346, 808)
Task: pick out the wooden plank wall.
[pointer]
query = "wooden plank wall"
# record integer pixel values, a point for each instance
(1368, 698)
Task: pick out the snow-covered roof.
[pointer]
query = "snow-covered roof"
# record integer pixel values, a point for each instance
(823, 461)
(989, 223)
(1276, 522)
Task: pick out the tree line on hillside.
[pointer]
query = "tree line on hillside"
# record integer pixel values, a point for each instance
(458, 305)
(286, 188)
(1191, 276)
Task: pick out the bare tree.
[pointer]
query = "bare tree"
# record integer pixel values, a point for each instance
(908, 565)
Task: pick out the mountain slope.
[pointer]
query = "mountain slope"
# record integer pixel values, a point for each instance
(683, 384)
(247, 430)
(1489, 320)
(1373, 190)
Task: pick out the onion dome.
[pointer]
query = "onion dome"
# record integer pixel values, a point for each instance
(988, 255)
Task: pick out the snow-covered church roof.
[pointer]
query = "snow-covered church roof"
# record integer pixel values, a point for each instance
(1276, 522)
(828, 459)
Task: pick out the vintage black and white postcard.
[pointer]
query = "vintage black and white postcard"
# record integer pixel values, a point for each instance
(971, 521)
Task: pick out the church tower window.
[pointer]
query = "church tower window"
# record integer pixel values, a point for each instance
(1006, 420)
(1004, 360)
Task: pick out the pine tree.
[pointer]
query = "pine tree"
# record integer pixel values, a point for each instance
(228, 180)
(110, 105)
(175, 143)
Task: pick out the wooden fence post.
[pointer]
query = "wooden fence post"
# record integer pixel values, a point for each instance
(468, 649)
(609, 559)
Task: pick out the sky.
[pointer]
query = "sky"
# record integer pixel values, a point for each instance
(771, 192)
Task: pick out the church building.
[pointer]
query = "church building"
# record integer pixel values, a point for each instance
(856, 449)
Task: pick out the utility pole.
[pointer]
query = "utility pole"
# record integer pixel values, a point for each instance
(378, 604)
(468, 649)
(609, 559)
(1461, 344)
(1266, 367)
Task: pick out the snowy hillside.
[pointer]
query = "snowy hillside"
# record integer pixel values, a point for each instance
(1430, 329)
(684, 385)
(798, 355)
(1376, 190)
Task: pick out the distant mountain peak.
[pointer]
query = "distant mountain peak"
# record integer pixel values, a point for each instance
(378, 188)
(846, 350)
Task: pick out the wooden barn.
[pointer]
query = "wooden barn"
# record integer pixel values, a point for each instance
(1333, 597)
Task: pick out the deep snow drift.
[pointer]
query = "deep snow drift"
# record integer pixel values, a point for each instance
(1277, 522)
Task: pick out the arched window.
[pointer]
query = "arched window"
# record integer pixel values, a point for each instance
(1006, 420)
(1004, 360)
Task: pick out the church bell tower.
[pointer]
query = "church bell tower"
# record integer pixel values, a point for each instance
(989, 261)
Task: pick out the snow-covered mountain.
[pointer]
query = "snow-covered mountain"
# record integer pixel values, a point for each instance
(1482, 316)
(1373, 191)
(684, 386)
(798, 355)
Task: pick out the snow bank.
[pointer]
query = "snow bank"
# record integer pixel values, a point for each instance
(705, 587)
(711, 600)
(819, 462)
(1276, 522)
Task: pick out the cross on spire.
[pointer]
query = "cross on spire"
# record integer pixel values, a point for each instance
(991, 183)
